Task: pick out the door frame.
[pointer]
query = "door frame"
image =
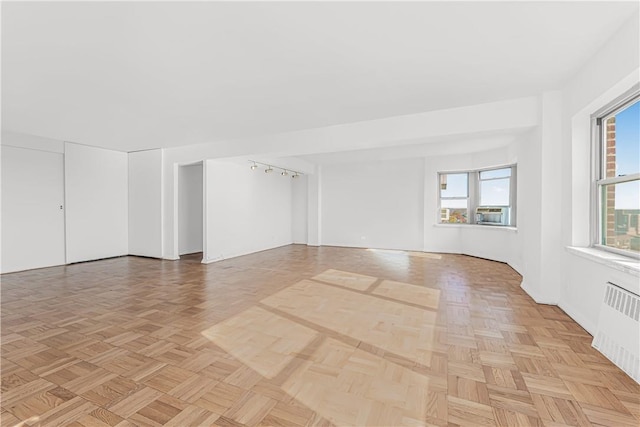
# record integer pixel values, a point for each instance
(176, 208)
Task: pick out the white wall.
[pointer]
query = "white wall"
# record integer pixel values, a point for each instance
(612, 71)
(618, 57)
(499, 244)
(299, 200)
(247, 211)
(584, 288)
(530, 213)
(190, 219)
(434, 126)
(394, 204)
(551, 166)
(32, 142)
(373, 204)
(314, 207)
(96, 203)
(145, 203)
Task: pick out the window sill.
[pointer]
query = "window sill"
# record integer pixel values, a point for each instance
(619, 262)
(484, 227)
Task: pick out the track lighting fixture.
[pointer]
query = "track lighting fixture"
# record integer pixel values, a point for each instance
(269, 169)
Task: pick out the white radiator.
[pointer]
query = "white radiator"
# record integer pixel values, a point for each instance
(618, 333)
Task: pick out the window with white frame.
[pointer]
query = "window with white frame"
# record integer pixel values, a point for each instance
(617, 181)
(454, 198)
(495, 187)
(485, 196)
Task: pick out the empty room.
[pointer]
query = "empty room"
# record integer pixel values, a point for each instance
(298, 213)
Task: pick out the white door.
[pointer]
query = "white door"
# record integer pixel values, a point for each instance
(32, 209)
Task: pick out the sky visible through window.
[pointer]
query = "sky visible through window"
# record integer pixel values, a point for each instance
(494, 187)
(456, 185)
(493, 192)
(628, 155)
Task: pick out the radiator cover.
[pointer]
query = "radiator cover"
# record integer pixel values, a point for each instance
(618, 332)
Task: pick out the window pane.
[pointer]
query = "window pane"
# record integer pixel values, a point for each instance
(495, 192)
(454, 216)
(496, 173)
(455, 203)
(453, 211)
(454, 185)
(621, 135)
(620, 211)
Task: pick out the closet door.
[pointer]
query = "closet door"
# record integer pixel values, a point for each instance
(32, 209)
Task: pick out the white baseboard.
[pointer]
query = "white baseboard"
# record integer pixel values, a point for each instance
(210, 260)
(533, 293)
(516, 267)
(242, 253)
(580, 319)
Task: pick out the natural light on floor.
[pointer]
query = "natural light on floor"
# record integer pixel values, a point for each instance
(341, 344)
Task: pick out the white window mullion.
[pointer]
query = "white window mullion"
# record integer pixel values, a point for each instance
(619, 179)
(474, 195)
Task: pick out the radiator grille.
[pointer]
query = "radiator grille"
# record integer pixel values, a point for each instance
(618, 332)
(622, 301)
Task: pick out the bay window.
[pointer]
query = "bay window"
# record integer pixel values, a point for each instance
(485, 196)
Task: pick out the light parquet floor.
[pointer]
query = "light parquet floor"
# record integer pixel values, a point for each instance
(298, 336)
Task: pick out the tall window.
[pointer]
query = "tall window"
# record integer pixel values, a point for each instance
(618, 179)
(495, 187)
(454, 198)
(484, 196)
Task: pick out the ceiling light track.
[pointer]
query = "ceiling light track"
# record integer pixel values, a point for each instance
(269, 168)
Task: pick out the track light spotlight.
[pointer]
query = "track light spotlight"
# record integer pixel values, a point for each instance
(269, 168)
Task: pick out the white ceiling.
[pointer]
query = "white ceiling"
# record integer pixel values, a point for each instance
(137, 75)
(439, 146)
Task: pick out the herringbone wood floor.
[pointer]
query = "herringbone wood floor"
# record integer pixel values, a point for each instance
(298, 336)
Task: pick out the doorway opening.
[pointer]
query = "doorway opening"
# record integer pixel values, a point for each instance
(190, 210)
